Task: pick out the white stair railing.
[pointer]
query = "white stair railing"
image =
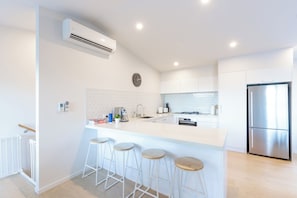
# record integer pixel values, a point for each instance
(33, 159)
(9, 156)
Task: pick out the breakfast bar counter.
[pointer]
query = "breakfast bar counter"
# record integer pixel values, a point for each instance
(207, 144)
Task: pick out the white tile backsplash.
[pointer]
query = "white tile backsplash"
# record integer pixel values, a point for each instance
(100, 102)
(191, 101)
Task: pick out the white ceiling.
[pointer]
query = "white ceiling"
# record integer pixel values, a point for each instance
(176, 30)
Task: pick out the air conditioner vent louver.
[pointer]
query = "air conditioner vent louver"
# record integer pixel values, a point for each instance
(88, 38)
(81, 39)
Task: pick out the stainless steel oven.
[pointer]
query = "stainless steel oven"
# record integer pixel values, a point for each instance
(187, 121)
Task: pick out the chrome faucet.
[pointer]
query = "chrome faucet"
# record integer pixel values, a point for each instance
(137, 110)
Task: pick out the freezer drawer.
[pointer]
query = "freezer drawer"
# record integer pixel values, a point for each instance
(269, 142)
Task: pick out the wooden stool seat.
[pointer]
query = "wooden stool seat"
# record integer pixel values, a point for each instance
(123, 146)
(193, 167)
(153, 154)
(99, 140)
(189, 163)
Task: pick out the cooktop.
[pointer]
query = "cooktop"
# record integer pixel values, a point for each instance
(188, 112)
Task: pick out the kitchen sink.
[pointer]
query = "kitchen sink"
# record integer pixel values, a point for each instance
(146, 117)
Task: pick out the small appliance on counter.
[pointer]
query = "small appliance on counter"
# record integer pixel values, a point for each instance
(122, 112)
(160, 110)
(124, 115)
(214, 109)
(167, 109)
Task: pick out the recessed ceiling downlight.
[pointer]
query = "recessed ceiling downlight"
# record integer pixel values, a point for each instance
(204, 1)
(176, 63)
(233, 44)
(139, 26)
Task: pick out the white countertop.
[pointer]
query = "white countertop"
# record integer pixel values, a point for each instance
(214, 137)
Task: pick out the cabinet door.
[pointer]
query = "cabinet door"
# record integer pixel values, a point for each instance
(188, 85)
(269, 75)
(232, 113)
(179, 86)
(172, 86)
(207, 84)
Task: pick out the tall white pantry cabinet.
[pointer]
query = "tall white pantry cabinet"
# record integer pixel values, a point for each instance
(232, 112)
(234, 75)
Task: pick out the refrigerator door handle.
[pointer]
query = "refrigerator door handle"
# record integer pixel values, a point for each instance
(252, 138)
(251, 110)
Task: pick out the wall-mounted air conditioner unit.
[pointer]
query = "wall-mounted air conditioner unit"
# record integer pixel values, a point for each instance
(86, 37)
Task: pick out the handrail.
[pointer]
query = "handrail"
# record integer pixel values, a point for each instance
(27, 128)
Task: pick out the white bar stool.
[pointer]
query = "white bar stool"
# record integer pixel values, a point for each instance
(100, 152)
(190, 164)
(123, 148)
(154, 156)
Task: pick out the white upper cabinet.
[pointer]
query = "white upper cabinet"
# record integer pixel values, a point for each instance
(269, 75)
(169, 86)
(188, 85)
(207, 84)
(201, 84)
(200, 79)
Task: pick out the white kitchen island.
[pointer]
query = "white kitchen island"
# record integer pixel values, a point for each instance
(207, 144)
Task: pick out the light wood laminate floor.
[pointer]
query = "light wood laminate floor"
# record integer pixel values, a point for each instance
(248, 176)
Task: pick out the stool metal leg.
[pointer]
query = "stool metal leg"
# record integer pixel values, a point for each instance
(158, 169)
(125, 161)
(179, 174)
(100, 153)
(124, 174)
(139, 179)
(180, 183)
(202, 182)
(109, 175)
(86, 164)
(168, 175)
(137, 168)
(154, 170)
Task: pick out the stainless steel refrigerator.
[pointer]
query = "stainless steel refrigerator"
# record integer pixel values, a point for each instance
(269, 120)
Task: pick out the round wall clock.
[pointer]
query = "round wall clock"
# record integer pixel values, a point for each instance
(136, 79)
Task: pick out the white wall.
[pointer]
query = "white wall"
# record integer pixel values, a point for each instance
(65, 73)
(17, 80)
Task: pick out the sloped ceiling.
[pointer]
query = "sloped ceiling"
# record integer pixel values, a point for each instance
(174, 30)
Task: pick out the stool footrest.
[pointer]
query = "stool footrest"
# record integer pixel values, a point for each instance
(92, 168)
(111, 185)
(145, 191)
